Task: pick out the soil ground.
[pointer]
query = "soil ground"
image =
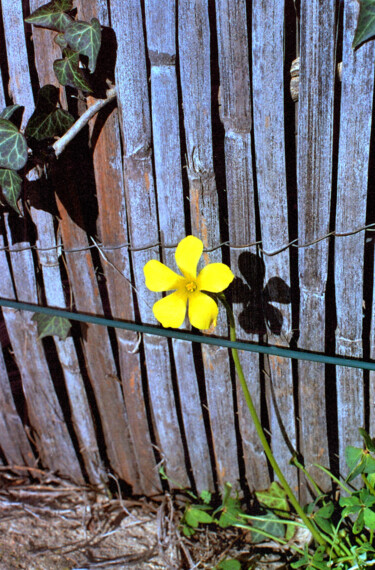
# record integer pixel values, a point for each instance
(54, 525)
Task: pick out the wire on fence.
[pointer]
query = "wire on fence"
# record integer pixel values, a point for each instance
(293, 243)
(190, 337)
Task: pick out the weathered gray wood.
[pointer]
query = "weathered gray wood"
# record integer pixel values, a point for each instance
(12, 16)
(113, 230)
(132, 86)
(50, 432)
(98, 352)
(13, 440)
(194, 59)
(2, 98)
(236, 117)
(80, 409)
(354, 146)
(268, 116)
(161, 41)
(23, 270)
(314, 177)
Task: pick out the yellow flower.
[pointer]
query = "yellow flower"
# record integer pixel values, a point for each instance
(214, 278)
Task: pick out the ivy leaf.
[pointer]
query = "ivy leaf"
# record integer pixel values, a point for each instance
(48, 325)
(68, 72)
(268, 523)
(11, 184)
(85, 38)
(48, 120)
(52, 15)
(274, 498)
(60, 41)
(9, 111)
(13, 146)
(366, 22)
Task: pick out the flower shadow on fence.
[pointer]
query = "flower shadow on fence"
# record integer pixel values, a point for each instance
(259, 315)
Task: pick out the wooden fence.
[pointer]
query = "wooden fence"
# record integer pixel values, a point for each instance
(205, 139)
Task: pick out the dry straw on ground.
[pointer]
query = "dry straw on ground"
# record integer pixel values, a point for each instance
(47, 523)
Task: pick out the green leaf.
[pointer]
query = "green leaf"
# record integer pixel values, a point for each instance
(367, 439)
(206, 497)
(86, 39)
(193, 516)
(369, 517)
(48, 120)
(270, 526)
(52, 15)
(358, 525)
(48, 325)
(188, 530)
(13, 146)
(11, 184)
(230, 564)
(68, 72)
(9, 111)
(354, 457)
(60, 41)
(366, 22)
(274, 498)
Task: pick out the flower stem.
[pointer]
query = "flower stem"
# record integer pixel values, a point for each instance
(275, 466)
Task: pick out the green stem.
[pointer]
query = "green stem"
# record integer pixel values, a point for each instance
(315, 533)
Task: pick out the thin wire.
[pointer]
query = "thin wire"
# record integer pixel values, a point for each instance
(158, 244)
(185, 335)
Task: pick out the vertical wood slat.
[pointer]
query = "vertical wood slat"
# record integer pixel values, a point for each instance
(97, 348)
(53, 288)
(35, 372)
(131, 81)
(354, 146)
(269, 130)
(79, 405)
(50, 433)
(194, 59)
(161, 26)
(113, 230)
(314, 178)
(13, 440)
(12, 15)
(236, 117)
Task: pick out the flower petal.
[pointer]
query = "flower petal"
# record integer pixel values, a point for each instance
(171, 310)
(160, 278)
(203, 311)
(214, 278)
(187, 256)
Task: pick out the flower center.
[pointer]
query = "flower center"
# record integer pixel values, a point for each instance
(190, 286)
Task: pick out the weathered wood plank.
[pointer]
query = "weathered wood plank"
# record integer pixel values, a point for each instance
(12, 16)
(161, 41)
(14, 443)
(80, 409)
(268, 104)
(100, 362)
(354, 146)
(236, 117)
(135, 121)
(13, 440)
(113, 230)
(23, 268)
(314, 178)
(50, 432)
(195, 77)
